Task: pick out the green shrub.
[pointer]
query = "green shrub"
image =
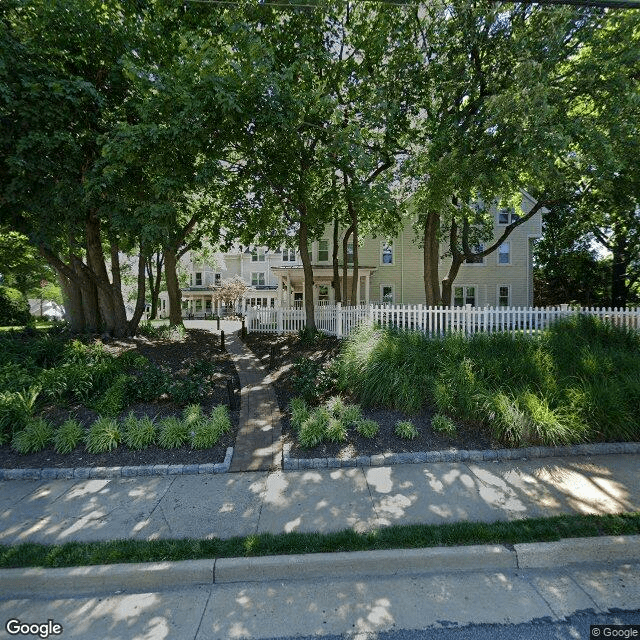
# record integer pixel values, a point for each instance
(68, 436)
(206, 432)
(14, 308)
(131, 360)
(351, 415)
(406, 429)
(104, 435)
(147, 383)
(113, 400)
(33, 438)
(16, 411)
(299, 412)
(15, 377)
(138, 433)
(172, 433)
(192, 415)
(335, 406)
(443, 424)
(336, 430)
(305, 380)
(186, 391)
(367, 428)
(314, 429)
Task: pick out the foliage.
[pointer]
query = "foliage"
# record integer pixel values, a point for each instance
(35, 436)
(186, 391)
(113, 400)
(103, 435)
(443, 424)
(314, 429)
(172, 433)
(16, 411)
(206, 432)
(306, 381)
(15, 377)
(351, 415)
(299, 412)
(406, 429)
(138, 433)
(579, 380)
(367, 428)
(149, 382)
(14, 308)
(336, 431)
(68, 436)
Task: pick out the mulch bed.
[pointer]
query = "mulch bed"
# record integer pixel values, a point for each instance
(177, 356)
(288, 348)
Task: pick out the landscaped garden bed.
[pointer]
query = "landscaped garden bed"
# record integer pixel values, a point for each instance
(576, 382)
(162, 398)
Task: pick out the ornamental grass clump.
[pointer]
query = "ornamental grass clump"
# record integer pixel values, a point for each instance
(138, 433)
(68, 436)
(172, 433)
(33, 438)
(406, 430)
(367, 428)
(336, 430)
(314, 429)
(207, 432)
(104, 435)
(299, 412)
(351, 415)
(443, 424)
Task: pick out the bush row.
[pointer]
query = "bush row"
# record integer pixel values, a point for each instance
(194, 428)
(577, 381)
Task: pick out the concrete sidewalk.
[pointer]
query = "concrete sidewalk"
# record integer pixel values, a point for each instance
(323, 500)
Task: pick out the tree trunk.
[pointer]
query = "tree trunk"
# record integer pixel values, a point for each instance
(140, 302)
(336, 268)
(73, 309)
(431, 259)
(154, 281)
(345, 266)
(120, 312)
(308, 273)
(173, 287)
(447, 283)
(619, 267)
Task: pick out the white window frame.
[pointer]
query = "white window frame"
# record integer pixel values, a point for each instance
(195, 278)
(288, 254)
(327, 250)
(499, 252)
(258, 254)
(255, 279)
(320, 287)
(393, 293)
(390, 244)
(465, 288)
(501, 286)
(349, 253)
(511, 214)
(217, 278)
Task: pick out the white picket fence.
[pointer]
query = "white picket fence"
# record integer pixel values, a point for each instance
(340, 321)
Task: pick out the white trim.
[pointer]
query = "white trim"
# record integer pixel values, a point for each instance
(328, 252)
(393, 253)
(503, 264)
(464, 288)
(258, 274)
(498, 287)
(393, 293)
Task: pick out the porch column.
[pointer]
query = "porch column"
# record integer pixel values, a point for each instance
(367, 285)
(279, 290)
(357, 303)
(288, 291)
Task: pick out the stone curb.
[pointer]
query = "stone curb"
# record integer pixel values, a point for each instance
(118, 472)
(421, 457)
(33, 582)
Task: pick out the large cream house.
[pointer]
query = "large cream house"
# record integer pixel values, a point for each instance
(390, 272)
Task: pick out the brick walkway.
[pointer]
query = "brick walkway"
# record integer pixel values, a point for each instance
(258, 446)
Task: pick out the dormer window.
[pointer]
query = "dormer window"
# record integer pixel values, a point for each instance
(257, 254)
(288, 255)
(507, 216)
(198, 279)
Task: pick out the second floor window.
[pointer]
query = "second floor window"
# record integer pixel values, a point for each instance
(350, 253)
(218, 278)
(257, 254)
(323, 251)
(288, 255)
(198, 279)
(257, 279)
(507, 216)
(504, 253)
(387, 252)
(476, 249)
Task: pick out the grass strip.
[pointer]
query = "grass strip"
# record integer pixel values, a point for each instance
(73, 554)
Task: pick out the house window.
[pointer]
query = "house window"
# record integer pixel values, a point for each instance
(207, 306)
(288, 255)
(387, 253)
(478, 248)
(198, 279)
(464, 295)
(257, 254)
(198, 307)
(504, 253)
(350, 253)
(257, 279)
(323, 293)
(507, 216)
(386, 293)
(323, 251)
(504, 296)
(218, 278)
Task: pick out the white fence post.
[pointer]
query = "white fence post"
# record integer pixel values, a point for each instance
(339, 319)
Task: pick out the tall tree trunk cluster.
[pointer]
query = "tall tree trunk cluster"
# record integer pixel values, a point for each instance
(94, 302)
